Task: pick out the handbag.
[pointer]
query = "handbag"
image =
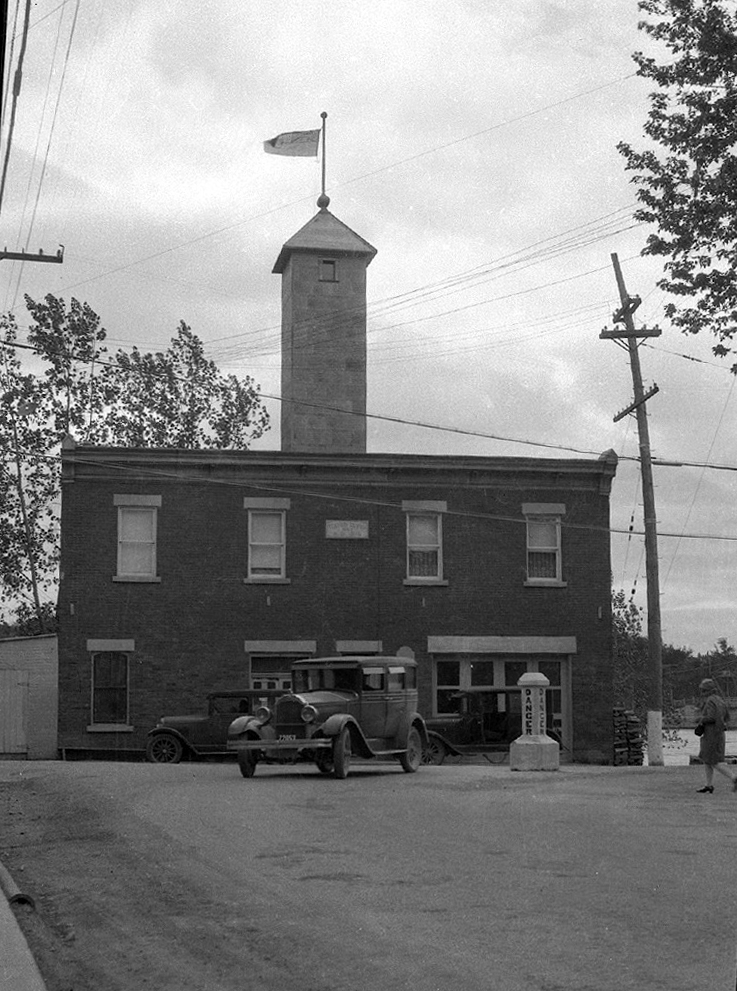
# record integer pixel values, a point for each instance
(699, 730)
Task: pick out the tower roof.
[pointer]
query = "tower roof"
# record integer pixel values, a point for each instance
(324, 232)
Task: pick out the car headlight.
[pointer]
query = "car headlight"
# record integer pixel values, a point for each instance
(263, 714)
(308, 714)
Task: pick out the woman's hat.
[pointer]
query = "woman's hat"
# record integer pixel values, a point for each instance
(708, 685)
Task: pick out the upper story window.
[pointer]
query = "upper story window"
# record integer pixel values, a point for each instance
(424, 542)
(137, 525)
(328, 270)
(267, 540)
(544, 557)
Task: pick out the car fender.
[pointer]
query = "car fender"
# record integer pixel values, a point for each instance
(169, 731)
(410, 720)
(239, 726)
(450, 747)
(337, 722)
(250, 726)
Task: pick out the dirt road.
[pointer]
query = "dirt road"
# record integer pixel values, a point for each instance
(187, 877)
(120, 908)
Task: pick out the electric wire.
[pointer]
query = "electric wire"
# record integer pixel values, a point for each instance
(661, 462)
(701, 477)
(17, 81)
(31, 170)
(50, 137)
(289, 489)
(10, 58)
(232, 226)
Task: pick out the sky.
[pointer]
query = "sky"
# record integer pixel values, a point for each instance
(473, 144)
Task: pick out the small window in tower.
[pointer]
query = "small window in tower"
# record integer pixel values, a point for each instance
(328, 270)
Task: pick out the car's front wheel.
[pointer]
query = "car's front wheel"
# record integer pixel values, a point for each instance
(435, 752)
(412, 756)
(247, 761)
(324, 761)
(342, 753)
(164, 749)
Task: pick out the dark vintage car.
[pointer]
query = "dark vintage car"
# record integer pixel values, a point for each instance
(485, 722)
(175, 737)
(338, 707)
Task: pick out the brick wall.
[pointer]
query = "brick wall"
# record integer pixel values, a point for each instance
(189, 628)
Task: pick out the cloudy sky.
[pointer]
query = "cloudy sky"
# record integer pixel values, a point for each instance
(473, 144)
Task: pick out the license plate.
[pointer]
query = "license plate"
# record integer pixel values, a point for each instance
(287, 736)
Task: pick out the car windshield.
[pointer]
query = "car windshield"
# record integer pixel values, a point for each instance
(228, 705)
(339, 679)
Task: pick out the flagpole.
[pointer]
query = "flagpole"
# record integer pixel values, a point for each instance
(324, 117)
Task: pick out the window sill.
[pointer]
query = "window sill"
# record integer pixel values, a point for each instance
(146, 579)
(425, 581)
(544, 583)
(110, 728)
(266, 580)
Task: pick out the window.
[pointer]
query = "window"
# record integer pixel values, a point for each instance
(110, 688)
(544, 564)
(137, 523)
(266, 544)
(448, 680)
(328, 270)
(424, 542)
(373, 679)
(267, 527)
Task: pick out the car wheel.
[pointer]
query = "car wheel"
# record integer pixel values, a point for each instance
(412, 757)
(342, 753)
(435, 752)
(324, 761)
(164, 749)
(247, 761)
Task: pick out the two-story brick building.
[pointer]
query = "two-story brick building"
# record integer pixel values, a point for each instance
(185, 572)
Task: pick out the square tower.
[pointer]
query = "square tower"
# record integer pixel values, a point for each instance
(323, 269)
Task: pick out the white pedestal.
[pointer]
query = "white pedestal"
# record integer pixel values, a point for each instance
(534, 753)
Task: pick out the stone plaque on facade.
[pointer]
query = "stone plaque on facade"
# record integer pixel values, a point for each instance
(346, 529)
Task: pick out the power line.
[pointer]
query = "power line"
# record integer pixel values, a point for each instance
(228, 227)
(17, 79)
(661, 462)
(51, 136)
(223, 461)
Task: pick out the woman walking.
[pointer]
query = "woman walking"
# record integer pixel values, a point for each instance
(714, 717)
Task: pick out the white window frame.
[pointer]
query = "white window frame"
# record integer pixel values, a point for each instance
(544, 513)
(272, 507)
(142, 504)
(430, 509)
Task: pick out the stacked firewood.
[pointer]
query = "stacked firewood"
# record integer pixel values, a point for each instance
(628, 739)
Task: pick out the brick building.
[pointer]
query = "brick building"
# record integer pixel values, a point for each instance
(185, 572)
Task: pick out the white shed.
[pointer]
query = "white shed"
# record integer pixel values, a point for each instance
(29, 693)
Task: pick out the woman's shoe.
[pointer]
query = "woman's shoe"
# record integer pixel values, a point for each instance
(708, 789)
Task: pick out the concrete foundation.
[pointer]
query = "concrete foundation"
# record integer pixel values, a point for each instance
(534, 753)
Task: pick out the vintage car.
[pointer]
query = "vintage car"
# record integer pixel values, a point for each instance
(192, 737)
(338, 707)
(485, 722)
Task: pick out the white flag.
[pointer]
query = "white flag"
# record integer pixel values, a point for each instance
(301, 143)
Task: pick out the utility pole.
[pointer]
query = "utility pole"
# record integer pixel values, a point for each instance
(23, 256)
(654, 635)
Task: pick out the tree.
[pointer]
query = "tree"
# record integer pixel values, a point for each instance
(27, 484)
(630, 655)
(28, 623)
(175, 398)
(687, 182)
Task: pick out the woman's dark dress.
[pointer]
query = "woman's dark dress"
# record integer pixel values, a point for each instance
(714, 716)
